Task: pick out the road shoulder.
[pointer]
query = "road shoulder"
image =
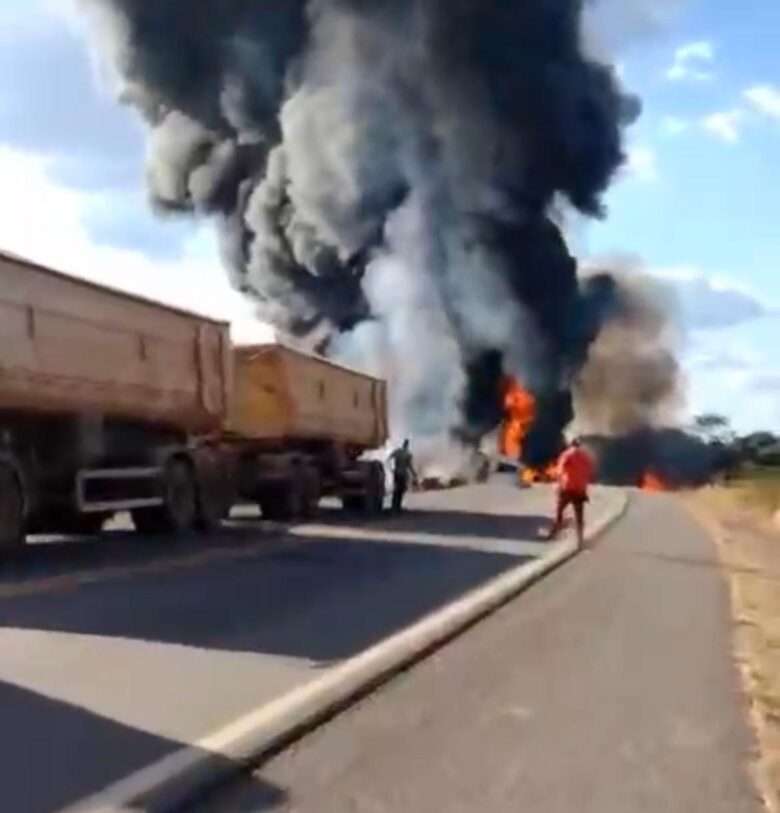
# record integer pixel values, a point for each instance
(181, 776)
(609, 687)
(749, 552)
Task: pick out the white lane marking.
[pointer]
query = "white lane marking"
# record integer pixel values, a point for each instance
(509, 547)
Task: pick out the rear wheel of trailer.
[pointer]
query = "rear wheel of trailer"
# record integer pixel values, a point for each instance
(363, 489)
(11, 508)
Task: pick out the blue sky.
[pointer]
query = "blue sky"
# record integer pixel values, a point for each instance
(714, 201)
(697, 205)
(703, 201)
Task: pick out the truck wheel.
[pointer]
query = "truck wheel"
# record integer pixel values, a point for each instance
(312, 492)
(11, 509)
(179, 511)
(371, 501)
(213, 506)
(375, 494)
(290, 499)
(283, 501)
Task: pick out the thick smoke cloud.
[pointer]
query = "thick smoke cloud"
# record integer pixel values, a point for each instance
(383, 173)
(632, 379)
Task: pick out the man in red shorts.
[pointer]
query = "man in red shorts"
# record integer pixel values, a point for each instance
(575, 473)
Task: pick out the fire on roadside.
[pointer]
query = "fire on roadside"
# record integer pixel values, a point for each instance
(548, 474)
(519, 415)
(653, 482)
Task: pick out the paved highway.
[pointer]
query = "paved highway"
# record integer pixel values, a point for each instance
(117, 651)
(607, 688)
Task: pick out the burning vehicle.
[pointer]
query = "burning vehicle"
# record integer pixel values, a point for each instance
(389, 182)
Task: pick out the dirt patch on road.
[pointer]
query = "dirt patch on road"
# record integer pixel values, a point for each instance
(749, 547)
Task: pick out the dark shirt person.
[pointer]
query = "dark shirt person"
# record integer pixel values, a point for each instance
(402, 462)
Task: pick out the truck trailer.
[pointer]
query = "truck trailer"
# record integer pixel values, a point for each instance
(112, 403)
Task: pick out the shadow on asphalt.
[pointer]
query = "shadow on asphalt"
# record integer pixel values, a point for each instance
(323, 600)
(451, 523)
(248, 794)
(43, 557)
(43, 767)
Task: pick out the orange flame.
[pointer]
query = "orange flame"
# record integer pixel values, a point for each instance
(520, 414)
(549, 474)
(653, 482)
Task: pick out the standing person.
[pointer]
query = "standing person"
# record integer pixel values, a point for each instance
(575, 473)
(402, 462)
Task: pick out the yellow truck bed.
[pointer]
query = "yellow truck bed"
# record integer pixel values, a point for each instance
(281, 394)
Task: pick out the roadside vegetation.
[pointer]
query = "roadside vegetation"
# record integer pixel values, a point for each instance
(757, 489)
(744, 514)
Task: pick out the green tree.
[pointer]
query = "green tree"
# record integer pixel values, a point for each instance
(714, 428)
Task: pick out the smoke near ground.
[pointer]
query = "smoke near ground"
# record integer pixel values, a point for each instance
(383, 174)
(677, 458)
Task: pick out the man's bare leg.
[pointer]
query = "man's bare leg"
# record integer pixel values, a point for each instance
(558, 522)
(579, 512)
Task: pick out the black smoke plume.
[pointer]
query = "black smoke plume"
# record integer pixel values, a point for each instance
(680, 459)
(383, 173)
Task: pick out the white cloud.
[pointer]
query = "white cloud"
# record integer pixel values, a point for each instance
(674, 125)
(733, 371)
(92, 146)
(700, 50)
(712, 301)
(44, 222)
(725, 125)
(726, 388)
(611, 26)
(766, 382)
(765, 99)
(642, 163)
(692, 62)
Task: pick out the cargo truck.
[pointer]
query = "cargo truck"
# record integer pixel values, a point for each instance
(112, 403)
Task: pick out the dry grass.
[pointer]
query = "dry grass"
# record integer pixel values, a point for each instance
(757, 489)
(742, 516)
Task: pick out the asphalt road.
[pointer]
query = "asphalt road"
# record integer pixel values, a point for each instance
(607, 688)
(117, 651)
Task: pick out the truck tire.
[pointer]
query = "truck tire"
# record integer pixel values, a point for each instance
(179, 512)
(284, 501)
(375, 494)
(213, 508)
(312, 492)
(11, 509)
(216, 483)
(371, 501)
(214, 501)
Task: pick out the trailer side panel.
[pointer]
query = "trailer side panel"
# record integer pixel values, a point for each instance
(67, 346)
(283, 394)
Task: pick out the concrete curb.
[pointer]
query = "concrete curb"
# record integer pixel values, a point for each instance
(179, 778)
